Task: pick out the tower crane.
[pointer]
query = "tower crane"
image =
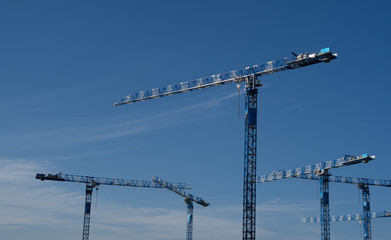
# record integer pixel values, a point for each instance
(93, 182)
(322, 170)
(251, 78)
(363, 184)
(189, 199)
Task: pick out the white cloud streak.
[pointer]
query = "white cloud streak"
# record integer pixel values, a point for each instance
(98, 131)
(29, 206)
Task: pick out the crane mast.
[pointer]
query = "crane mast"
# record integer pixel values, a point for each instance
(249, 75)
(87, 210)
(93, 182)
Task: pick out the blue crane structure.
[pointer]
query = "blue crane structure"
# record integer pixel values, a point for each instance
(353, 217)
(349, 217)
(251, 77)
(93, 182)
(324, 177)
(363, 184)
(189, 199)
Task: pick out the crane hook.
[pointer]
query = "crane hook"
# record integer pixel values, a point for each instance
(238, 86)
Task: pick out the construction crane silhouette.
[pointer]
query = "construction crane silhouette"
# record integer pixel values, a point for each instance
(93, 182)
(363, 184)
(322, 170)
(251, 77)
(349, 217)
(189, 199)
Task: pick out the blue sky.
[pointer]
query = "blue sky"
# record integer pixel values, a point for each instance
(64, 64)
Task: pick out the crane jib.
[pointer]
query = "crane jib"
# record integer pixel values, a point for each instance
(240, 75)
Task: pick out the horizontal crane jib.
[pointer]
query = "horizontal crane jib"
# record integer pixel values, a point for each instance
(316, 168)
(341, 179)
(180, 192)
(107, 181)
(348, 217)
(240, 75)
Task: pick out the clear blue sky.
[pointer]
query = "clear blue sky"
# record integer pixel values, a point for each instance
(64, 63)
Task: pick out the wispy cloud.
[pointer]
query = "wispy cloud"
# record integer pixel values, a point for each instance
(113, 128)
(26, 204)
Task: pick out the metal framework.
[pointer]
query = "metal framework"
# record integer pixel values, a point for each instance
(87, 211)
(349, 217)
(305, 172)
(250, 165)
(363, 185)
(250, 76)
(93, 182)
(322, 174)
(324, 205)
(189, 222)
(189, 199)
(366, 211)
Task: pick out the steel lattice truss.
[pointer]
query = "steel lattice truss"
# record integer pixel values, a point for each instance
(229, 77)
(93, 182)
(317, 168)
(338, 179)
(250, 166)
(321, 170)
(169, 186)
(348, 217)
(189, 199)
(108, 181)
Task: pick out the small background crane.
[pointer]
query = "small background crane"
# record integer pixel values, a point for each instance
(352, 217)
(322, 170)
(92, 182)
(189, 199)
(363, 184)
(251, 77)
